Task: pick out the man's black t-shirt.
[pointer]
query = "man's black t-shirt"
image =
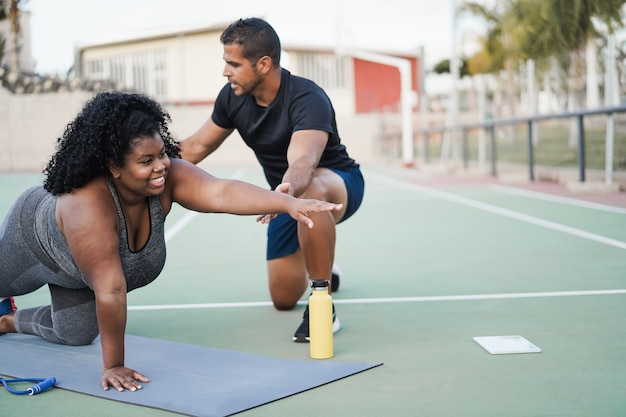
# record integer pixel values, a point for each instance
(300, 104)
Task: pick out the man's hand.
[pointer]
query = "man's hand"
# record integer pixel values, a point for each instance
(266, 218)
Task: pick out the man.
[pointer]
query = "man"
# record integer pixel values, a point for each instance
(290, 124)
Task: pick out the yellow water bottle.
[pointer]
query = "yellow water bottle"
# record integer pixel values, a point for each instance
(320, 320)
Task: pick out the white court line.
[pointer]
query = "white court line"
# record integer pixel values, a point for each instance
(438, 194)
(388, 300)
(188, 217)
(498, 210)
(558, 199)
(179, 225)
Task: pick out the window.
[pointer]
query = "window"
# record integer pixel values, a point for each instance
(327, 70)
(144, 72)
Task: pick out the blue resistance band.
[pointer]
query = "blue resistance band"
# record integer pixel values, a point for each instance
(41, 385)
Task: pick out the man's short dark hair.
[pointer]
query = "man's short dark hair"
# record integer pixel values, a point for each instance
(257, 37)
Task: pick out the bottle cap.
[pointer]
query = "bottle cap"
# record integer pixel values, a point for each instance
(320, 283)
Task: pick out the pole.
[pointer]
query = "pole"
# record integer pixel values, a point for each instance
(581, 149)
(482, 111)
(449, 138)
(609, 94)
(454, 71)
(532, 98)
(423, 103)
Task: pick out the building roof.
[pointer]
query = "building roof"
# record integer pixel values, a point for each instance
(154, 34)
(330, 48)
(162, 33)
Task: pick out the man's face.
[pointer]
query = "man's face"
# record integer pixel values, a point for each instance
(241, 73)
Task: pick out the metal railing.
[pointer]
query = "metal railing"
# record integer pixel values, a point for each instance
(530, 121)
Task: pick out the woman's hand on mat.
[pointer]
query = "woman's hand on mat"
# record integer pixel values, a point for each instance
(122, 378)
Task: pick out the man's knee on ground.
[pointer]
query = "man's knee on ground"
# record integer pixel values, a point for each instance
(286, 294)
(284, 305)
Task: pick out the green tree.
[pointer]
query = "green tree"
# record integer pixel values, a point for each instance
(500, 50)
(443, 67)
(554, 26)
(494, 44)
(546, 31)
(542, 29)
(3, 16)
(16, 32)
(10, 10)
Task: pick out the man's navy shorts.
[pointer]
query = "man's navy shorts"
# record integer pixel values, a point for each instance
(282, 233)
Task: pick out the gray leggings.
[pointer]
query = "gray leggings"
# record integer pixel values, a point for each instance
(25, 267)
(69, 320)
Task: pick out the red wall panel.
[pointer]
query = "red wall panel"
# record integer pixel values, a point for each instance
(377, 86)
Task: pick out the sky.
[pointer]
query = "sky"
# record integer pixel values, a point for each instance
(58, 26)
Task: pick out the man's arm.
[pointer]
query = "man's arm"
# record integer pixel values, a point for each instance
(204, 142)
(303, 155)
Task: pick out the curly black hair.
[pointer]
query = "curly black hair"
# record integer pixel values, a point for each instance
(102, 133)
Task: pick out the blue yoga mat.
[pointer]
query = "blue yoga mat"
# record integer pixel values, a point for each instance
(187, 379)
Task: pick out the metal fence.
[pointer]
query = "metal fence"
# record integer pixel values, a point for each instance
(584, 139)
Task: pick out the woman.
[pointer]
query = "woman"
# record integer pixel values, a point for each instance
(95, 230)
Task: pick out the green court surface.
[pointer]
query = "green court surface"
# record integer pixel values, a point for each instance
(428, 265)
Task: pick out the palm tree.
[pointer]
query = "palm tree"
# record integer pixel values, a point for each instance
(570, 25)
(3, 16)
(542, 29)
(14, 18)
(10, 9)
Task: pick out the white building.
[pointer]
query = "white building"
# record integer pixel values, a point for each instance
(184, 66)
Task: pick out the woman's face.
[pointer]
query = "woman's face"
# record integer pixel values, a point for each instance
(145, 167)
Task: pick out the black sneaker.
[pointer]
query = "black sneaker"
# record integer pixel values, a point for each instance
(302, 333)
(335, 279)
